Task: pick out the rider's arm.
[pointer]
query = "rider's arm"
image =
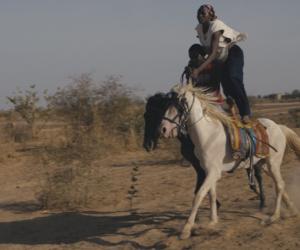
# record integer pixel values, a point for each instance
(212, 56)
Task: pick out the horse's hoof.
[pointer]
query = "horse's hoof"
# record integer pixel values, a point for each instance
(185, 235)
(212, 224)
(269, 221)
(265, 222)
(295, 212)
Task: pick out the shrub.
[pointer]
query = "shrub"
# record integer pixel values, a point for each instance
(108, 109)
(95, 115)
(26, 105)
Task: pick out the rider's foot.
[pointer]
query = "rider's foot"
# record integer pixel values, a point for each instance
(246, 119)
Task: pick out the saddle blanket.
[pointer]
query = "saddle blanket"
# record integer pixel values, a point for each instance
(242, 136)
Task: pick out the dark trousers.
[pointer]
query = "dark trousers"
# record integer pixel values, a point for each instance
(232, 79)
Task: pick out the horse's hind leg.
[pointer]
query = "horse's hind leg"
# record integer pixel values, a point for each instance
(285, 197)
(290, 205)
(274, 170)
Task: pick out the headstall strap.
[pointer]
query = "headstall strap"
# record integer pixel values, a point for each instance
(183, 112)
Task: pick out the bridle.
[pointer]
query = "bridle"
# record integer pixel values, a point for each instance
(183, 112)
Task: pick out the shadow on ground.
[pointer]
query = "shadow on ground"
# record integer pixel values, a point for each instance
(21, 207)
(74, 227)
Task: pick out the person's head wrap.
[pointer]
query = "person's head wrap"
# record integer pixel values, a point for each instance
(207, 9)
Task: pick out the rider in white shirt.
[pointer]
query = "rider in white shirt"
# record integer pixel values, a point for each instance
(219, 42)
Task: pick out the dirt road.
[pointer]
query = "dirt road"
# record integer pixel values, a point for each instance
(141, 201)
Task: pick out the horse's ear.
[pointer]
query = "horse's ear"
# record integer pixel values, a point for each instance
(158, 94)
(169, 95)
(148, 97)
(190, 82)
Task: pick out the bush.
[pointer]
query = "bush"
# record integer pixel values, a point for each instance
(26, 105)
(109, 109)
(96, 115)
(121, 110)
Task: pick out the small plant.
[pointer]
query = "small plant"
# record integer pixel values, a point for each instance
(26, 105)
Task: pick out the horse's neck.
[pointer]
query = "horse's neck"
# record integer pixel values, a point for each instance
(201, 128)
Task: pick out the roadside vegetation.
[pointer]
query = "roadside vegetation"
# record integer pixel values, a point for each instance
(68, 130)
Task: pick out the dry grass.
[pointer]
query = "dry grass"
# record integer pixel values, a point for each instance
(84, 124)
(120, 199)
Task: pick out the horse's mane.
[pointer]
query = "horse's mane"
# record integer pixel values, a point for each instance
(209, 102)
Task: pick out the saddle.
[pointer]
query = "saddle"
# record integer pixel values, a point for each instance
(249, 139)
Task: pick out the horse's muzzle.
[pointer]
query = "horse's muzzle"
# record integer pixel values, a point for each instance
(149, 145)
(168, 130)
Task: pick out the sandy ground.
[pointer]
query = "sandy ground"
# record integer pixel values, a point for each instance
(141, 201)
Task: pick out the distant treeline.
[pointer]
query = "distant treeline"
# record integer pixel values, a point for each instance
(295, 94)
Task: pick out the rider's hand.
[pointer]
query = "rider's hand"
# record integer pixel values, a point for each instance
(195, 73)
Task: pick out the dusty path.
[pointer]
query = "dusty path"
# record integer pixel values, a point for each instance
(275, 108)
(142, 202)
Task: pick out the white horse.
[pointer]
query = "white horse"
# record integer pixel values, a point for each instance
(205, 122)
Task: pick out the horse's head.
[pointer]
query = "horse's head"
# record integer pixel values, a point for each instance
(169, 114)
(180, 113)
(174, 117)
(155, 108)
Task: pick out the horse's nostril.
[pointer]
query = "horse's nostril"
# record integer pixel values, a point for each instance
(164, 130)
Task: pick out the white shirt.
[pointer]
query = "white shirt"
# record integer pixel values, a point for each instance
(228, 33)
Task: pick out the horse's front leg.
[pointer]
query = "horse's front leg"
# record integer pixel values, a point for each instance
(209, 183)
(258, 176)
(187, 151)
(200, 179)
(213, 205)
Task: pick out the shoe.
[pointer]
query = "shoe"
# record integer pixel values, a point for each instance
(246, 119)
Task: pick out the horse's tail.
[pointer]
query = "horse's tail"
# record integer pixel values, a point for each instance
(293, 140)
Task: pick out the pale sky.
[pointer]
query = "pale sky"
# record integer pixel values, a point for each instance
(44, 42)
